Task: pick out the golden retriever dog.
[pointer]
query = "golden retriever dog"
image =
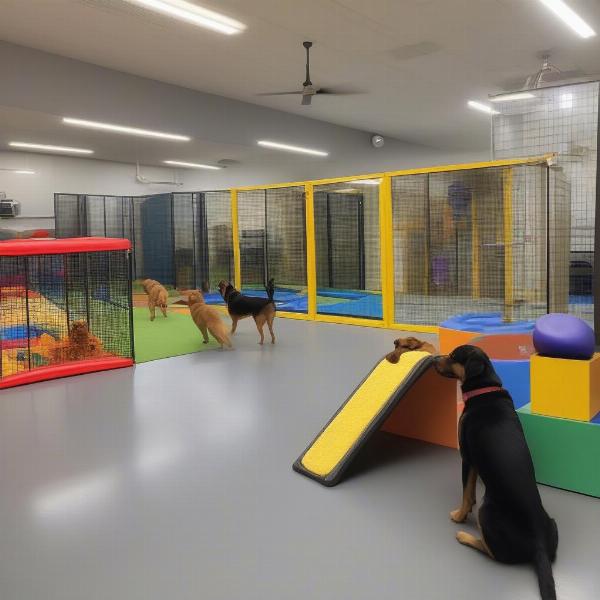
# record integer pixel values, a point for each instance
(207, 320)
(402, 345)
(80, 344)
(157, 296)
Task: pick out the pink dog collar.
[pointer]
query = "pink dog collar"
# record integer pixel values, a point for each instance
(468, 395)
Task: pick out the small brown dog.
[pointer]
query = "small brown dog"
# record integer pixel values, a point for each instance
(80, 344)
(207, 319)
(157, 296)
(403, 345)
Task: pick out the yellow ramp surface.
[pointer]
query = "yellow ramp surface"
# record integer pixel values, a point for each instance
(361, 415)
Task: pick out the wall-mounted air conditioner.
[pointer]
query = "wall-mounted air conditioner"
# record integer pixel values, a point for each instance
(9, 208)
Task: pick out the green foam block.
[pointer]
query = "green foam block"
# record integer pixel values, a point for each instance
(566, 454)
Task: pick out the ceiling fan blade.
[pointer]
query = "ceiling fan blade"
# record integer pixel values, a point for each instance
(307, 100)
(340, 91)
(279, 93)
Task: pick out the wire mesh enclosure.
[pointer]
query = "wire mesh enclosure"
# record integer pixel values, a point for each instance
(65, 308)
(491, 240)
(347, 248)
(183, 240)
(403, 249)
(272, 242)
(563, 120)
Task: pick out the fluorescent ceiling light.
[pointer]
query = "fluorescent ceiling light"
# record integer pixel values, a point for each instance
(47, 148)
(570, 17)
(127, 130)
(19, 171)
(482, 107)
(188, 165)
(288, 148)
(366, 181)
(192, 13)
(511, 97)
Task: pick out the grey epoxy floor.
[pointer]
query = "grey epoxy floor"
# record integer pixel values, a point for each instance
(174, 481)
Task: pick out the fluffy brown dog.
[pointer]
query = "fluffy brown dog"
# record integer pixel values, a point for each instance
(403, 345)
(78, 345)
(207, 319)
(157, 296)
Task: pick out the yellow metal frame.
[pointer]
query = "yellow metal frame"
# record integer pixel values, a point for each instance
(237, 263)
(507, 193)
(386, 240)
(475, 251)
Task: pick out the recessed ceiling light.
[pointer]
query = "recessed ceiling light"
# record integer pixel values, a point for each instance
(570, 17)
(47, 148)
(188, 165)
(512, 97)
(366, 181)
(288, 148)
(128, 130)
(19, 171)
(192, 13)
(482, 107)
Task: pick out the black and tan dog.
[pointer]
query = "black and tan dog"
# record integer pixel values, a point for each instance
(240, 306)
(402, 345)
(514, 526)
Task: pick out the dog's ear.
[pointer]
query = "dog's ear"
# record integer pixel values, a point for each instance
(393, 357)
(474, 367)
(413, 343)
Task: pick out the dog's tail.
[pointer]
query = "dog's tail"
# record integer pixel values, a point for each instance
(543, 569)
(270, 287)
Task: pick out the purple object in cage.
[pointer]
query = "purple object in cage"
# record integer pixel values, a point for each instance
(440, 270)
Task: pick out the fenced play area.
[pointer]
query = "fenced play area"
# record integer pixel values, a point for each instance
(65, 308)
(406, 249)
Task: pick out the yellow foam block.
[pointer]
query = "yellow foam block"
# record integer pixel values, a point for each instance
(336, 440)
(569, 389)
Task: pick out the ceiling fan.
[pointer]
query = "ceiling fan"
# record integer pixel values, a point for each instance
(308, 89)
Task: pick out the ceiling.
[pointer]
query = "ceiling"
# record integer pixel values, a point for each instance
(417, 61)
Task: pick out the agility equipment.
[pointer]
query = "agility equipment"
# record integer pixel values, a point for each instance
(566, 453)
(569, 389)
(563, 336)
(368, 409)
(46, 286)
(464, 328)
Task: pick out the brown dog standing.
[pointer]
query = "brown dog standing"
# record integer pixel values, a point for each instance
(207, 319)
(403, 345)
(157, 296)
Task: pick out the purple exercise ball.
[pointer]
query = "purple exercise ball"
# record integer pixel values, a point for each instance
(564, 336)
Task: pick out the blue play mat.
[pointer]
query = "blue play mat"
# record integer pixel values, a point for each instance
(490, 323)
(369, 306)
(19, 332)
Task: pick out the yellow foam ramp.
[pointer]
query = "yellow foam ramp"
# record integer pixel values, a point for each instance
(363, 413)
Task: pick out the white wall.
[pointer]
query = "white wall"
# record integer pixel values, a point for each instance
(55, 174)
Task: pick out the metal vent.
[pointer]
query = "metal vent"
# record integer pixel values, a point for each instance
(9, 208)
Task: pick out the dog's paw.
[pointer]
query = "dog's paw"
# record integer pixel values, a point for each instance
(458, 516)
(462, 537)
